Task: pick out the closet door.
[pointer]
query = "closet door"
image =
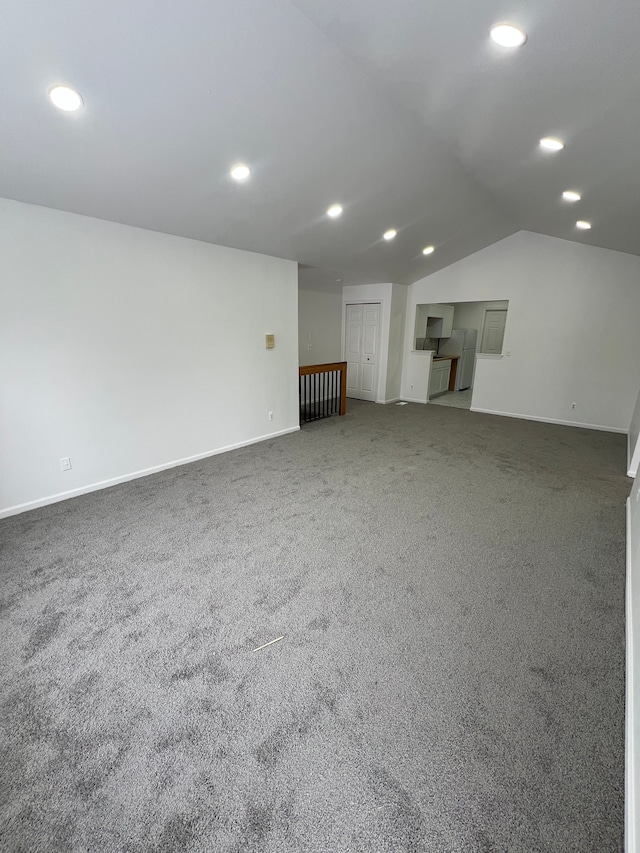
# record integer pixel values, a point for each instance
(362, 344)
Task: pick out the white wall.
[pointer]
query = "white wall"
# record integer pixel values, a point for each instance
(392, 298)
(416, 376)
(396, 338)
(128, 350)
(633, 443)
(319, 326)
(632, 799)
(574, 311)
(468, 315)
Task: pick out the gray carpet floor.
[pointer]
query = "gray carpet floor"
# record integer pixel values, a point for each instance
(450, 589)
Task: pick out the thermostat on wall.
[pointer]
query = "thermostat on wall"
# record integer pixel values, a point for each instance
(269, 341)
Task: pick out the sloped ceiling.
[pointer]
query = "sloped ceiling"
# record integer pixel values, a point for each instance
(404, 112)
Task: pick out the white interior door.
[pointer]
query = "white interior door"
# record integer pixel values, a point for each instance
(493, 332)
(361, 349)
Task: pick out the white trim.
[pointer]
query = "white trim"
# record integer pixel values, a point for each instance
(392, 400)
(114, 481)
(549, 420)
(630, 804)
(633, 458)
(412, 400)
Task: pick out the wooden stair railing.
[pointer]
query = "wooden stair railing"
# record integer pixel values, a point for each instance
(322, 390)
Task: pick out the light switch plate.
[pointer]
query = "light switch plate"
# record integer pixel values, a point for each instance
(269, 341)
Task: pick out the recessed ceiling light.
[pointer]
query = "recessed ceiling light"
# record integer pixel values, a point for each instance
(583, 225)
(390, 234)
(507, 35)
(240, 172)
(428, 250)
(551, 144)
(334, 211)
(570, 195)
(65, 98)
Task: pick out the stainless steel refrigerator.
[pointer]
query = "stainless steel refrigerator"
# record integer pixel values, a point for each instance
(463, 344)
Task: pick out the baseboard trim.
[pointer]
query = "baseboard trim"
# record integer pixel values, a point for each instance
(548, 420)
(145, 472)
(392, 400)
(630, 804)
(412, 400)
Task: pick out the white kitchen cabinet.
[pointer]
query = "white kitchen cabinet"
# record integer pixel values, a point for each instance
(433, 321)
(439, 321)
(439, 379)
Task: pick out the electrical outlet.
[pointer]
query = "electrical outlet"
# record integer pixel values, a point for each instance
(270, 416)
(65, 463)
(573, 405)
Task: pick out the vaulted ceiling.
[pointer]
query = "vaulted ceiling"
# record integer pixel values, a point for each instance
(405, 113)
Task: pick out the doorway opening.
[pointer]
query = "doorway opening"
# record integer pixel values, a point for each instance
(454, 399)
(477, 327)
